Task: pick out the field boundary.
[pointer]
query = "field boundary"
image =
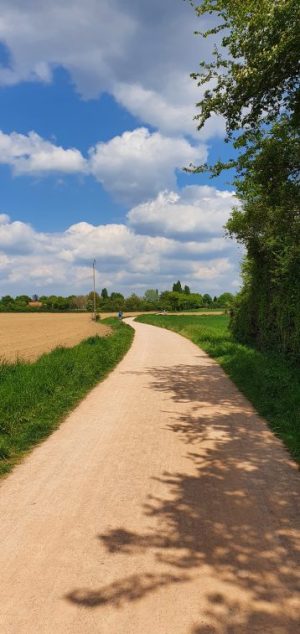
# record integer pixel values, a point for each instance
(28, 336)
(36, 397)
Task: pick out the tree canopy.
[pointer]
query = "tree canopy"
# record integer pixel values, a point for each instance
(254, 74)
(253, 82)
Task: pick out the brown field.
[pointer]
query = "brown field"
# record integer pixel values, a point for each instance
(27, 336)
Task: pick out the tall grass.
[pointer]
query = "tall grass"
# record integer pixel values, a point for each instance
(34, 397)
(268, 381)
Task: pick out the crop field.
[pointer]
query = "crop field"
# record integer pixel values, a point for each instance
(36, 396)
(28, 336)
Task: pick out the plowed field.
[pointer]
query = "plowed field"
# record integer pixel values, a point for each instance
(28, 336)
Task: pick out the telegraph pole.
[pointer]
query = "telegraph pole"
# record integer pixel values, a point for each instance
(94, 284)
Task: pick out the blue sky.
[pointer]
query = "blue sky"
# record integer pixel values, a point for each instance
(96, 121)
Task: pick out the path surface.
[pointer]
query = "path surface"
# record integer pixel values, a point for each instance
(162, 505)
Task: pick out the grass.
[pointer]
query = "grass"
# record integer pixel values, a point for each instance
(269, 382)
(34, 397)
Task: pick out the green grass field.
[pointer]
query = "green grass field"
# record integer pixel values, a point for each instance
(34, 397)
(272, 386)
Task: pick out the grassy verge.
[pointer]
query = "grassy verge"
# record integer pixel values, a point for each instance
(34, 397)
(268, 381)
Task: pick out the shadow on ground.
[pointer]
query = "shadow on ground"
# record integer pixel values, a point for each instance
(236, 517)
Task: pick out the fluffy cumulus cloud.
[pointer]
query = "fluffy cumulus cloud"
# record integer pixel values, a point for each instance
(129, 258)
(128, 48)
(31, 154)
(141, 53)
(133, 166)
(197, 212)
(138, 164)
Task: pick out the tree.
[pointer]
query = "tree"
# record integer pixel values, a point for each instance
(224, 300)
(22, 299)
(117, 296)
(90, 301)
(207, 300)
(151, 296)
(257, 76)
(133, 302)
(267, 223)
(104, 293)
(254, 85)
(79, 301)
(177, 287)
(173, 300)
(7, 300)
(116, 301)
(186, 290)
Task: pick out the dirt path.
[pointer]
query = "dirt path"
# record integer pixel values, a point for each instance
(163, 505)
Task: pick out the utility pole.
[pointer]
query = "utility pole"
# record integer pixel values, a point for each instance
(94, 284)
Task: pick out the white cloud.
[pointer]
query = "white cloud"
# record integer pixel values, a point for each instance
(128, 48)
(127, 259)
(17, 237)
(138, 164)
(195, 213)
(4, 218)
(31, 154)
(167, 111)
(133, 167)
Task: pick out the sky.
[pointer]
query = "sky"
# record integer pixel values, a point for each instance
(97, 123)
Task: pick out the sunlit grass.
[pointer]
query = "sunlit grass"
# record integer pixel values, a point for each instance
(269, 382)
(34, 397)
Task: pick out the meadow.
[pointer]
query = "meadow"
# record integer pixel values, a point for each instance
(268, 381)
(35, 397)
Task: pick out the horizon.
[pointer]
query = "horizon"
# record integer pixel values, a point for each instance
(97, 124)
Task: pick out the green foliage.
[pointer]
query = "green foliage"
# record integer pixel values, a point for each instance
(268, 381)
(151, 296)
(7, 301)
(177, 288)
(22, 299)
(34, 397)
(254, 85)
(268, 224)
(117, 296)
(134, 302)
(152, 300)
(207, 300)
(256, 76)
(225, 300)
(171, 300)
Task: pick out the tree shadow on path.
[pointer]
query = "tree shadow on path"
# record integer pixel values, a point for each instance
(234, 519)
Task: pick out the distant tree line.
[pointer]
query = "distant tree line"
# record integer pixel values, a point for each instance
(177, 299)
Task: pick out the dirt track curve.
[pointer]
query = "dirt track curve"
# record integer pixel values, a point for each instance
(163, 505)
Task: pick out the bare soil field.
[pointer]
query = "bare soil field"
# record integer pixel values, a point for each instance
(28, 336)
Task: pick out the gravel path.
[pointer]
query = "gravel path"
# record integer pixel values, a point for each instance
(162, 505)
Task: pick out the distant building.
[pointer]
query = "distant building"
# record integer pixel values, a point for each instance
(35, 304)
